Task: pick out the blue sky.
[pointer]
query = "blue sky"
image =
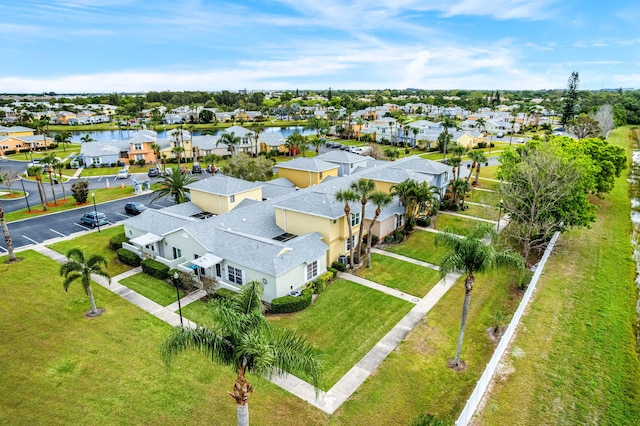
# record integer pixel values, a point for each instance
(135, 46)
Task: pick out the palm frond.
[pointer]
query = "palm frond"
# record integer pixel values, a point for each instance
(201, 339)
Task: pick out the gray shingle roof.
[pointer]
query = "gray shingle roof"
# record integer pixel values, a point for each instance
(308, 164)
(224, 185)
(317, 203)
(342, 157)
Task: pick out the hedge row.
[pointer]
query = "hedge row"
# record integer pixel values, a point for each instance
(155, 269)
(128, 257)
(287, 304)
(116, 242)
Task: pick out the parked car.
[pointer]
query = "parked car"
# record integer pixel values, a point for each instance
(153, 172)
(196, 168)
(134, 208)
(500, 135)
(94, 219)
(122, 174)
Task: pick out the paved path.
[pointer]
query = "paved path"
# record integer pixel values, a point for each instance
(328, 401)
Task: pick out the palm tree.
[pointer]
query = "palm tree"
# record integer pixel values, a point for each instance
(242, 338)
(360, 122)
(62, 138)
(391, 153)
(173, 185)
(318, 124)
(59, 167)
(481, 122)
(50, 162)
(380, 199)
(87, 138)
(458, 151)
(294, 143)
(156, 151)
(447, 123)
(5, 232)
(363, 187)
(317, 143)
(415, 132)
(78, 267)
(257, 129)
(210, 160)
(470, 255)
(231, 140)
(177, 151)
(36, 171)
(478, 157)
(345, 196)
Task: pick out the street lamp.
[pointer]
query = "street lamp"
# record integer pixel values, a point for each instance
(176, 278)
(95, 210)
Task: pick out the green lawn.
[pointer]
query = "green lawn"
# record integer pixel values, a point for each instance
(60, 152)
(152, 288)
(419, 364)
(487, 172)
(404, 276)
(483, 212)
(96, 243)
(488, 184)
(197, 312)
(484, 197)
(60, 368)
(420, 245)
(457, 224)
(102, 195)
(346, 321)
(574, 356)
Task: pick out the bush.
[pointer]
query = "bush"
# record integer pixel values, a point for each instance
(80, 191)
(128, 257)
(53, 145)
(116, 242)
(481, 145)
(141, 163)
(318, 285)
(224, 293)
(333, 271)
(423, 221)
(429, 420)
(395, 237)
(339, 266)
(155, 269)
(288, 304)
(10, 152)
(171, 161)
(374, 240)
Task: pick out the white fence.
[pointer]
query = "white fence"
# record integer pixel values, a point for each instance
(489, 371)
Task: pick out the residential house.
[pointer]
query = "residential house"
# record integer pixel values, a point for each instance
(99, 154)
(305, 172)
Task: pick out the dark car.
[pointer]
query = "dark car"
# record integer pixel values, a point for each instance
(134, 208)
(153, 172)
(94, 219)
(196, 168)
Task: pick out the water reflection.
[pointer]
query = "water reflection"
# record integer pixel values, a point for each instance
(110, 135)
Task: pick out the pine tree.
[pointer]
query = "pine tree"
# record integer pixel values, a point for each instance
(570, 98)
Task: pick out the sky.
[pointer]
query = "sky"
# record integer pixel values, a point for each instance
(106, 46)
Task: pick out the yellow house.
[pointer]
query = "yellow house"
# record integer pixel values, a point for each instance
(16, 131)
(305, 172)
(320, 212)
(20, 139)
(221, 194)
(469, 141)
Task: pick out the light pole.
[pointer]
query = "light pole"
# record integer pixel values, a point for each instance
(499, 216)
(176, 278)
(26, 196)
(95, 210)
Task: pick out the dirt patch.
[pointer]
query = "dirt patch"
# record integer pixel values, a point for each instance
(88, 314)
(9, 262)
(495, 334)
(458, 368)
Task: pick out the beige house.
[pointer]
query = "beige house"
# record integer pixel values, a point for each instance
(306, 172)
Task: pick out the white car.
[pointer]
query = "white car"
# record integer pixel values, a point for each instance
(122, 174)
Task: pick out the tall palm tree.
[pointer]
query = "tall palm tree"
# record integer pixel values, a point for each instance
(59, 167)
(79, 267)
(447, 123)
(87, 138)
(360, 122)
(470, 255)
(380, 199)
(36, 172)
(363, 187)
(156, 151)
(458, 151)
(242, 338)
(178, 151)
(50, 162)
(5, 231)
(345, 196)
(317, 124)
(482, 123)
(231, 140)
(415, 132)
(62, 138)
(294, 143)
(173, 185)
(210, 160)
(317, 143)
(478, 157)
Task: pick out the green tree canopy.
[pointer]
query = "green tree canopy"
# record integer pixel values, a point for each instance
(245, 167)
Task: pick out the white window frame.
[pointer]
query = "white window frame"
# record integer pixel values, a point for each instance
(355, 219)
(312, 270)
(177, 253)
(353, 241)
(398, 221)
(137, 147)
(235, 275)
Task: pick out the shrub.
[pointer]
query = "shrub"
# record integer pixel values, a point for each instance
(333, 271)
(128, 257)
(423, 221)
(116, 242)
(224, 293)
(374, 240)
(481, 145)
(155, 269)
(288, 304)
(429, 420)
(141, 162)
(80, 191)
(10, 152)
(339, 266)
(53, 145)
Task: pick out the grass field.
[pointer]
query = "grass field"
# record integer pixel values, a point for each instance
(484, 197)
(152, 288)
(483, 212)
(96, 243)
(60, 368)
(420, 245)
(344, 324)
(457, 224)
(404, 276)
(573, 360)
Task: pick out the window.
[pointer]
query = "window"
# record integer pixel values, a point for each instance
(234, 274)
(320, 175)
(138, 157)
(348, 243)
(232, 198)
(312, 270)
(176, 252)
(446, 176)
(137, 147)
(218, 270)
(355, 219)
(398, 221)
